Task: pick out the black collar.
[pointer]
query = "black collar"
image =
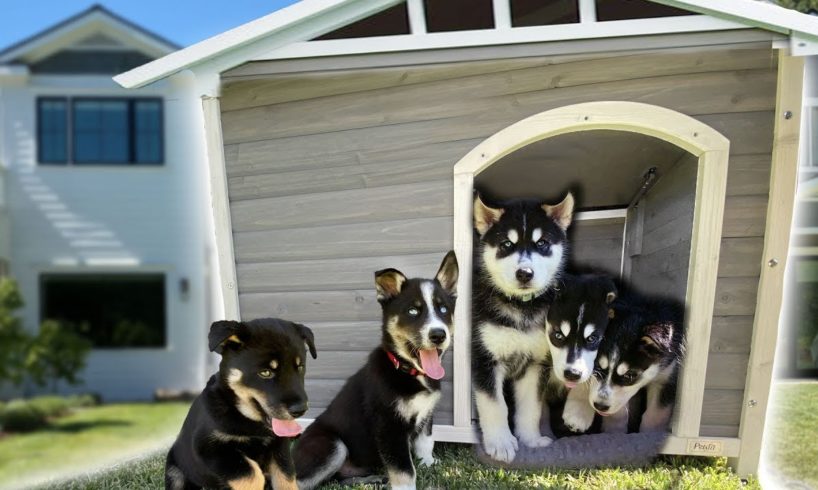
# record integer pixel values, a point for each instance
(402, 365)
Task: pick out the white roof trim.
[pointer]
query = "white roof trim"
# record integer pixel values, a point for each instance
(62, 35)
(495, 37)
(307, 19)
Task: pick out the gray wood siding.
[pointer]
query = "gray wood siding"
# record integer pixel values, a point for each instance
(333, 175)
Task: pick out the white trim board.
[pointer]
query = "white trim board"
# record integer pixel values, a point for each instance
(498, 37)
(309, 18)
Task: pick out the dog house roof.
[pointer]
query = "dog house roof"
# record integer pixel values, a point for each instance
(286, 33)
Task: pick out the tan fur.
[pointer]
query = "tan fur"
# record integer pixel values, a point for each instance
(484, 216)
(400, 480)
(280, 480)
(563, 212)
(246, 396)
(389, 283)
(254, 481)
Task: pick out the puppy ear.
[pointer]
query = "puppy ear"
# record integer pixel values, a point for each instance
(562, 213)
(388, 283)
(484, 216)
(448, 272)
(657, 338)
(308, 337)
(222, 333)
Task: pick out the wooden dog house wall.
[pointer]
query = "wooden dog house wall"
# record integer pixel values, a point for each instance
(334, 173)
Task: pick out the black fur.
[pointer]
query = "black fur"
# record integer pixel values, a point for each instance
(646, 331)
(217, 439)
(362, 420)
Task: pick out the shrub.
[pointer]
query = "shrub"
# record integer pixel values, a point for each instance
(13, 339)
(51, 406)
(22, 416)
(57, 353)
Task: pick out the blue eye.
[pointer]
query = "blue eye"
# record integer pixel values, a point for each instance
(443, 309)
(413, 311)
(507, 245)
(542, 243)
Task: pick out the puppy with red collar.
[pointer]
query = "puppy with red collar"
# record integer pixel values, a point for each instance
(384, 411)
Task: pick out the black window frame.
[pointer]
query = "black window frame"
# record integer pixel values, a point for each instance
(43, 277)
(131, 136)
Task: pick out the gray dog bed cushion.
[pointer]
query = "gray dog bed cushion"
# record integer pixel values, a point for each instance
(587, 451)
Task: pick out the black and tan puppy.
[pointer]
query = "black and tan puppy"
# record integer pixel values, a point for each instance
(385, 409)
(238, 431)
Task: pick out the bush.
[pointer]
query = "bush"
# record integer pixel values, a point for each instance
(51, 406)
(56, 353)
(22, 416)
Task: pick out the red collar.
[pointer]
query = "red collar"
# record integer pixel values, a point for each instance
(402, 366)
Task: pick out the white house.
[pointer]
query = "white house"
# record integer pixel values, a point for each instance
(104, 216)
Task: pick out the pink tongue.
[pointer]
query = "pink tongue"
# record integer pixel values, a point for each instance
(430, 362)
(286, 428)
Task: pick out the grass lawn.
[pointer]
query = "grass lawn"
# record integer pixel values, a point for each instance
(457, 468)
(88, 439)
(792, 432)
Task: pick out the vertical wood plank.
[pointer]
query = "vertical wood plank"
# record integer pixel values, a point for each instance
(463, 189)
(783, 183)
(502, 14)
(221, 206)
(705, 246)
(417, 16)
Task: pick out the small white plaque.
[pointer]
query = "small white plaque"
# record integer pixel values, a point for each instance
(705, 447)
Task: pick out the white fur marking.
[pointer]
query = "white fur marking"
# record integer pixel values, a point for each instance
(603, 362)
(419, 406)
(622, 368)
(529, 408)
(424, 449)
(536, 234)
(513, 236)
(578, 414)
(503, 271)
(498, 441)
(565, 328)
(581, 314)
(505, 342)
(589, 329)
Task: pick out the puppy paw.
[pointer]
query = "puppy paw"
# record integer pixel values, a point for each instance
(501, 446)
(535, 440)
(577, 418)
(428, 461)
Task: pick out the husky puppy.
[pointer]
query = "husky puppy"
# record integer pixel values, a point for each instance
(520, 253)
(238, 431)
(385, 409)
(643, 347)
(575, 324)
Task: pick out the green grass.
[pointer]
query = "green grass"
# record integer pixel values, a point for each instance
(457, 468)
(86, 439)
(792, 448)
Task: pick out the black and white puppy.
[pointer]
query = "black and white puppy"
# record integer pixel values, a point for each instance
(576, 324)
(385, 409)
(520, 252)
(643, 348)
(238, 431)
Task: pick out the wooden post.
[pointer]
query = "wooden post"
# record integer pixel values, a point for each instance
(463, 189)
(783, 183)
(221, 206)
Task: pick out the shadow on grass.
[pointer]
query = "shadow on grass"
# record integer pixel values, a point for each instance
(74, 427)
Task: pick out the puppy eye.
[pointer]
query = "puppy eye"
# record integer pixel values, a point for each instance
(592, 339)
(559, 336)
(507, 245)
(542, 243)
(413, 311)
(442, 309)
(629, 376)
(265, 373)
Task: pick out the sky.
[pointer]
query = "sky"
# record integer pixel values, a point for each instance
(181, 21)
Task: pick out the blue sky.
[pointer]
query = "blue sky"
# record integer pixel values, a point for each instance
(182, 21)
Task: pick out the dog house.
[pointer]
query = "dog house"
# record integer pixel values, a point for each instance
(345, 136)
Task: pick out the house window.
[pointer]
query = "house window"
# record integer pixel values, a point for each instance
(111, 310)
(635, 9)
(52, 130)
(458, 15)
(390, 22)
(112, 131)
(525, 13)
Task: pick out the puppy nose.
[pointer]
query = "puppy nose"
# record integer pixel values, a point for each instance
(601, 407)
(437, 336)
(297, 409)
(524, 275)
(572, 374)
